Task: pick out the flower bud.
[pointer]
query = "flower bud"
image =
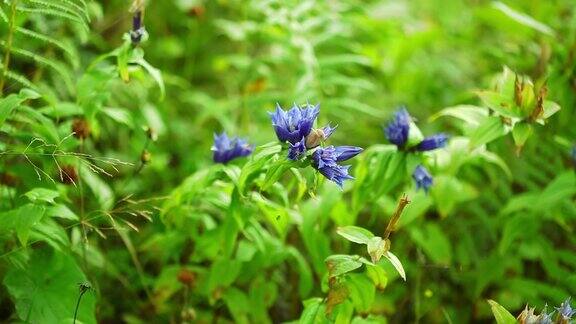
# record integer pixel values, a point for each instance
(315, 137)
(8, 179)
(186, 277)
(145, 157)
(81, 128)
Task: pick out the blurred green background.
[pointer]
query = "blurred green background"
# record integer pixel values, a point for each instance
(225, 65)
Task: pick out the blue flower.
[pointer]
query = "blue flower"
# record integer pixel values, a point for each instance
(324, 160)
(137, 29)
(433, 142)
(423, 178)
(297, 150)
(226, 149)
(397, 130)
(545, 318)
(343, 153)
(291, 126)
(565, 310)
(573, 154)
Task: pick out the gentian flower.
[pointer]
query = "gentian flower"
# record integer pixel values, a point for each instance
(565, 310)
(226, 149)
(297, 150)
(291, 126)
(324, 160)
(423, 178)
(343, 153)
(432, 142)
(397, 130)
(137, 29)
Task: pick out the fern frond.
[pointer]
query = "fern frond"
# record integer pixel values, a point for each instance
(69, 50)
(78, 12)
(55, 65)
(18, 78)
(55, 13)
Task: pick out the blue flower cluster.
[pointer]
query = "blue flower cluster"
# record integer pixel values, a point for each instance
(564, 314)
(397, 133)
(226, 149)
(295, 126)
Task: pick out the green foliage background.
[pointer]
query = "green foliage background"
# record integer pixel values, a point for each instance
(164, 235)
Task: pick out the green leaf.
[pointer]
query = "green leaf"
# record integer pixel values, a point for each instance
(471, 115)
(8, 104)
(46, 290)
(361, 291)
(376, 248)
(355, 234)
(523, 19)
(521, 133)
(155, 73)
(62, 211)
(314, 312)
(42, 195)
(378, 276)
(501, 314)
(101, 189)
(500, 103)
(21, 220)
(396, 263)
(340, 264)
(119, 115)
(490, 129)
(237, 303)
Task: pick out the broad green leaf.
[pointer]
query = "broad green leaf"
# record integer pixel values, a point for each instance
(501, 314)
(378, 276)
(396, 263)
(355, 234)
(500, 103)
(340, 264)
(46, 291)
(62, 211)
(471, 115)
(490, 129)
(37, 195)
(119, 115)
(238, 304)
(361, 291)
(21, 220)
(314, 312)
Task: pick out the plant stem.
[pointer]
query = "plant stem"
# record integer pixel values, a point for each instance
(78, 305)
(392, 223)
(6, 64)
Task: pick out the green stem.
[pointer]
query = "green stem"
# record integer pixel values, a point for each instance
(8, 45)
(78, 305)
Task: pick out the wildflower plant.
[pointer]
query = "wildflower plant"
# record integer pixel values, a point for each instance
(110, 173)
(305, 143)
